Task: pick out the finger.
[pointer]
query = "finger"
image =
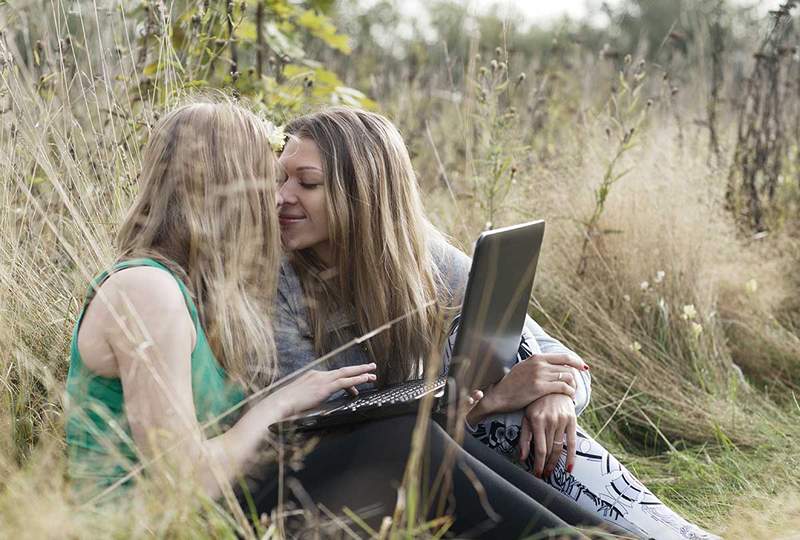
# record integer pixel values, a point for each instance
(572, 443)
(352, 371)
(564, 374)
(557, 447)
(539, 447)
(525, 437)
(353, 391)
(566, 360)
(550, 438)
(340, 384)
(558, 387)
(476, 395)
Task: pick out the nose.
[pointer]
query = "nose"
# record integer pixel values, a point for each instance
(279, 199)
(286, 194)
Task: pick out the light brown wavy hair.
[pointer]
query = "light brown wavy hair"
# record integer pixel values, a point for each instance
(206, 209)
(379, 242)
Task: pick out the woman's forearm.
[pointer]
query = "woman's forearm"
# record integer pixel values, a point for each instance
(221, 459)
(549, 344)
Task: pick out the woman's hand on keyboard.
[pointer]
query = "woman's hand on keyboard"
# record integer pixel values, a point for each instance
(534, 377)
(313, 387)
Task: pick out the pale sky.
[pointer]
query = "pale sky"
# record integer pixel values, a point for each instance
(549, 10)
(534, 11)
(543, 11)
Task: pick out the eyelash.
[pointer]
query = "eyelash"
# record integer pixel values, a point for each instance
(305, 185)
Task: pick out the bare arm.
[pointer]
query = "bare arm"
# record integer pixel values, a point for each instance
(151, 337)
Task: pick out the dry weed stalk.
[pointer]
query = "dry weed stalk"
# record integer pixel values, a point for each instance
(761, 141)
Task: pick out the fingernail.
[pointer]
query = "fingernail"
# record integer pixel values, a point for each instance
(569, 468)
(585, 367)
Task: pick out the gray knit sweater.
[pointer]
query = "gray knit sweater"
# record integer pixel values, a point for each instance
(295, 342)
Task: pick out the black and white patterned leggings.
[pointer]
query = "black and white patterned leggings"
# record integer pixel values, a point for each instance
(599, 483)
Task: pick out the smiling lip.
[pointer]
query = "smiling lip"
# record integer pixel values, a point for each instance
(289, 220)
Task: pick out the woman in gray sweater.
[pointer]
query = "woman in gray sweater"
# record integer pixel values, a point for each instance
(361, 253)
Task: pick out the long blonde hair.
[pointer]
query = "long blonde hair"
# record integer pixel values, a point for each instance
(379, 241)
(206, 209)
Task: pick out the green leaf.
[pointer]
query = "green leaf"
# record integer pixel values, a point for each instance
(323, 6)
(282, 43)
(246, 31)
(281, 8)
(151, 69)
(321, 27)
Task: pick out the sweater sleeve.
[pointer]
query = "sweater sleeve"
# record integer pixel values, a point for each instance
(548, 344)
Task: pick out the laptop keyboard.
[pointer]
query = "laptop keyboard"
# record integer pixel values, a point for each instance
(397, 394)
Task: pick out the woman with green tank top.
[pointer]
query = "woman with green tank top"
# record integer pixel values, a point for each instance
(175, 333)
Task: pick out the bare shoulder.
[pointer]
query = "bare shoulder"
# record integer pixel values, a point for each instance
(143, 283)
(129, 304)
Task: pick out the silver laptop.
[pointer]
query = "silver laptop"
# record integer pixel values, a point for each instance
(489, 329)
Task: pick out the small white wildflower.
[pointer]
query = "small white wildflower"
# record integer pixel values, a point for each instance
(488, 226)
(751, 286)
(277, 138)
(689, 312)
(644, 285)
(697, 329)
(626, 297)
(636, 346)
(660, 276)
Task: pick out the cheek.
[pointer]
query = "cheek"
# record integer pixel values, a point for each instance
(318, 211)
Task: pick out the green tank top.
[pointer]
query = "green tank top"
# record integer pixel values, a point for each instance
(99, 441)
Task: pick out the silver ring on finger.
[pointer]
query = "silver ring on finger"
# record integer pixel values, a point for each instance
(561, 374)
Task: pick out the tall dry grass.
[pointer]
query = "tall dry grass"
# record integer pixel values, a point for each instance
(690, 327)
